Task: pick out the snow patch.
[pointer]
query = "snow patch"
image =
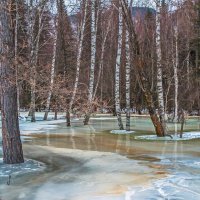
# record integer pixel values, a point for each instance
(121, 132)
(186, 136)
(17, 169)
(103, 118)
(38, 127)
(75, 119)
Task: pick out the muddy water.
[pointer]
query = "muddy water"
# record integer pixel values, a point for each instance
(86, 163)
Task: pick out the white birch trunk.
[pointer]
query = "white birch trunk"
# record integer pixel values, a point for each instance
(117, 72)
(30, 21)
(94, 23)
(78, 60)
(93, 53)
(160, 91)
(52, 74)
(176, 75)
(78, 63)
(128, 84)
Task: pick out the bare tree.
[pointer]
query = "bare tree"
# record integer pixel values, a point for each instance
(78, 61)
(52, 75)
(139, 70)
(128, 83)
(175, 66)
(160, 91)
(117, 71)
(94, 23)
(34, 49)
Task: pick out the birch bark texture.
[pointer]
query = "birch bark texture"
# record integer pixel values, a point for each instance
(12, 147)
(93, 51)
(117, 71)
(93, 62)
(128, 83)
(160, 91)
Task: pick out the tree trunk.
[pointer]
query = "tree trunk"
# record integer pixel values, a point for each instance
(101, 61)
(16, 52)
(12, 147)
(176, 76)
(117, 72)
(56, 112)
(78, 62)
(30, 20)
(153, 115)
(68, 118)
(128, 84)
(161, 107)
(52, 75)
(34, 46)
(141, 76)
(93, 62)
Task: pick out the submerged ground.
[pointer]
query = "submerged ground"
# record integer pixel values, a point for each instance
(90, 163)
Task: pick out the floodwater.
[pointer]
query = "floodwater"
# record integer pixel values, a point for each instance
(90, 163)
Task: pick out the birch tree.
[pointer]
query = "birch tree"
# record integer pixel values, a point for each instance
(78, 61)
(94, 23)
(117, 72)
(175, 66)
(128, 73)
(34, 49)
(128, 84)
(52, 75)
(161, 107)
(100, 72)
(31, 21)
(12, 147)
(142, 78)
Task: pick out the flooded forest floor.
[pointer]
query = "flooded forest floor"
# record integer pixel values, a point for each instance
(90, 163)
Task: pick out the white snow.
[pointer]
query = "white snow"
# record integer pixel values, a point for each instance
(39, 126)
(103, 118)
(121, 132)
(16, 169)
(186, 136)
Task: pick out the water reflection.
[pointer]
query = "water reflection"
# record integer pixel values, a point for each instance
(85, 162)
(72, 135)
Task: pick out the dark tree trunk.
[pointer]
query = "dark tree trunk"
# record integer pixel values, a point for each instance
(56, 113)
(12, 147)
(68, 121)
(87, 118)
(46, 115)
